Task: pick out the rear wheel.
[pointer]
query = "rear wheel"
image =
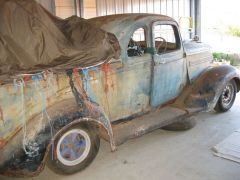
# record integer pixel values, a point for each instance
(227, 98)
(76, 148)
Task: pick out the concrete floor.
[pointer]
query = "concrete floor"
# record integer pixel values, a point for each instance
(167, 155)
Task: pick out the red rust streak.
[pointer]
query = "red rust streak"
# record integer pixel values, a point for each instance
(91, 74)
(80, 87)
(27, 78)
(1, 114)
(105, 69)
(79, 83)
(2, 143)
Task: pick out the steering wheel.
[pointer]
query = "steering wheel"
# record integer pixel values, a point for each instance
(162, 41)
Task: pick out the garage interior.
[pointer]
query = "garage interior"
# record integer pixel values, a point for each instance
(161, 154)
(186, 12)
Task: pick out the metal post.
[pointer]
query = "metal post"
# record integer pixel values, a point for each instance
(192, 15)
(53, 7)
(97, 6)
(197, 18)
(79, 7)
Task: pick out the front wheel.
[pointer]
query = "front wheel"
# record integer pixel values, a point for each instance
(227, 98)
(75, 149)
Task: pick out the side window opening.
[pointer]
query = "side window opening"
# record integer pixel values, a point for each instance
(166, 38)
(137, 44)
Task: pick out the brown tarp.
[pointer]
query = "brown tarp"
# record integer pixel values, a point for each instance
(31, 39)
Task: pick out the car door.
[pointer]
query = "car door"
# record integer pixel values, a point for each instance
(123, 88)
(169, 67)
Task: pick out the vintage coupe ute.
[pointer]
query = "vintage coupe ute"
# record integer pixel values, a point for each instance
(67, 83)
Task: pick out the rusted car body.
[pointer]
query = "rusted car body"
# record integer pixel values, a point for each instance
(122, 98)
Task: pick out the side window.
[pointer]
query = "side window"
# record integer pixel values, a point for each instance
(137, 44)
(166, 38)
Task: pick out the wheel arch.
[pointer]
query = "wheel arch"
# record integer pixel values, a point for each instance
(62, 118)
(90, 123)
(205, 91)
(237, 81)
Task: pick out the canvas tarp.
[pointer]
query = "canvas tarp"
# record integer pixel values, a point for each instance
(32, 39)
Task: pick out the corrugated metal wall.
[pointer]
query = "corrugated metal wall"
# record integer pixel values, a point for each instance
(178, 9)
(173, 8)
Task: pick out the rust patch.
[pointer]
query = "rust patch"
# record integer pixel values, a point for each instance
(2, 142)
(168, 103)
(105, 68)
(78, 80)
(1, 115)
(27, 78)
(57, 80)
(79, 83)
(91, 74)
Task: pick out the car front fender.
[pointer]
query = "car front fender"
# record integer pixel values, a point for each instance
(205, 91)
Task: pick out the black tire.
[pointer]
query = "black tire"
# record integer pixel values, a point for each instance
(54, 160)
(227, 98)
(182, 125)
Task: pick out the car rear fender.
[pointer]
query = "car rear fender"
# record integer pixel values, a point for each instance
(30, 161)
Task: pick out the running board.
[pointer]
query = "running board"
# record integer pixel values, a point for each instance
(146, 123)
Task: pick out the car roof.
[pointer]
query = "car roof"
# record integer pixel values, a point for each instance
(123, 25)
(111, 23)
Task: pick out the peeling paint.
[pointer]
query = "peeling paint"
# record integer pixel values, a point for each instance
(2, 116)
(106, 70)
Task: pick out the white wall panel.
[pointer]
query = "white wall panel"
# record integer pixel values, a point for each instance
(150, 5)
(163, 7)
(127, 6)
(135, 6)
(173, 8)
(111, 7)
(119, 6)
(176, 9)
(143, 5)
(157, 6)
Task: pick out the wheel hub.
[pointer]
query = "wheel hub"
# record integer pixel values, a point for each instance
(227, 95)
(73, 147)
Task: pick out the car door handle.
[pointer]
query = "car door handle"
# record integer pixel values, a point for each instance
(157, 62)
(162, 61)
